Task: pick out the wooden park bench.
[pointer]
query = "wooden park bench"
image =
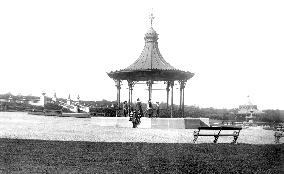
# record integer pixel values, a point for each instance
(235, 134)
(278, 135)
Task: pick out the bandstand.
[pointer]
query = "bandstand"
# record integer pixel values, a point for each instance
(151, 67)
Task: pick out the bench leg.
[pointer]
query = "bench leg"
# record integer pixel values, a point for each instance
(236, 136)
(216, 138)
(195, 135)
(277, 136)
(235, 139)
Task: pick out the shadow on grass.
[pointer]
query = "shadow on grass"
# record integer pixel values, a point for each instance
(38, 156)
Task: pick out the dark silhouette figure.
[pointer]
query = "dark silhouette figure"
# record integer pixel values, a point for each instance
(158, 109)
(125, 108)
(139, 107)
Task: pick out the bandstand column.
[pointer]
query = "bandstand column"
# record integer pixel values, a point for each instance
(118, 87)
(181, 106)
(150, 83)
(172, 97)
(168, 90)
(180, 95)
(130, 88)
(183, 102)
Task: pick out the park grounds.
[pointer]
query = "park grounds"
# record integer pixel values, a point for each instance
(39, 144)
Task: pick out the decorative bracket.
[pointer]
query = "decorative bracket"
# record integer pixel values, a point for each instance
(118, 83)
(182, 83)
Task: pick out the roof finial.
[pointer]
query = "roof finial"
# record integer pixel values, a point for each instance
(151, 17)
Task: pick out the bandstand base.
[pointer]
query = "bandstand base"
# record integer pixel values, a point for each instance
(153, 123)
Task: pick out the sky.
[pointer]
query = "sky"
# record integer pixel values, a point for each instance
(235, 48)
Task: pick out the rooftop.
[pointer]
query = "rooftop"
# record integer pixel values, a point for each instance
(151, 65)
(150, 58)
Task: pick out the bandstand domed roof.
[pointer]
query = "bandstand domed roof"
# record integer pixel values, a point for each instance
(150, 58)
(150, 65)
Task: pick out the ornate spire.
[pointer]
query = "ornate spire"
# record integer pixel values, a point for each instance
(150, 58)
(151, 35)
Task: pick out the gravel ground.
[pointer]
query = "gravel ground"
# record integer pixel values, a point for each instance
(23, 126)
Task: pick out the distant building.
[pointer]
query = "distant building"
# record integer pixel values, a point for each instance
(10, 99)
(43, 100)
(54, 98)
(249, 110)
(78, 99)
(34, 101)
(40, 101)
(24, 100)
(69, 101)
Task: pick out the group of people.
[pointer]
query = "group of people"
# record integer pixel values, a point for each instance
(137, 113)
(150, 109)
(138, 108)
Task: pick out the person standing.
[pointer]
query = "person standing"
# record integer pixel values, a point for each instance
(131, 114)
(150, 108)
(125, 108)
(158, 109)
(78, 108)
(139, 108)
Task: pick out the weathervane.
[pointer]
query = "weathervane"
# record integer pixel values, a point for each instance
(151, 17)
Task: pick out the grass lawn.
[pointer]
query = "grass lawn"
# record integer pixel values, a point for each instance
(39, 156)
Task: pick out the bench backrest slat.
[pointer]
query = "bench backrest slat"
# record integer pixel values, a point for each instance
(218, 128)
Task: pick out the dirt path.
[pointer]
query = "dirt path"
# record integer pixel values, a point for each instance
(23, 126)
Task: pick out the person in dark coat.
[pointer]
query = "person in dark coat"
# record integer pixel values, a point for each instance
(158, 109)
(125, 108)
(139, 108)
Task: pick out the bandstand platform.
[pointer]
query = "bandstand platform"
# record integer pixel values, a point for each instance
(152, 123)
